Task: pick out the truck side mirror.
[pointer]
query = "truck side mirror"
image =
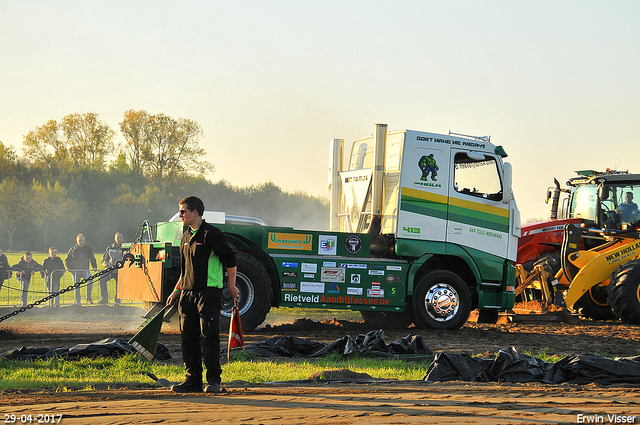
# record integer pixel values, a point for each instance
(603, 193)
(506, 182)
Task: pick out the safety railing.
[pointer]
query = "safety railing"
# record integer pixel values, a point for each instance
(11, 290)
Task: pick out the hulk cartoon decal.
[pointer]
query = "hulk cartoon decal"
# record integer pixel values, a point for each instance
(428, 165)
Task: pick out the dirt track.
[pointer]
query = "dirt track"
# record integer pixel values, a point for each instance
(399, 402)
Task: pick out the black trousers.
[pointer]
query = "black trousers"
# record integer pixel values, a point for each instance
(200, 327)
(104, 292)
(53, 285)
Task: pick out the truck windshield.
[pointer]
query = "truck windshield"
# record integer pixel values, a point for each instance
(583, 202)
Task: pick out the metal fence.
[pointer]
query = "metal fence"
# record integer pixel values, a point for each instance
(11, 291)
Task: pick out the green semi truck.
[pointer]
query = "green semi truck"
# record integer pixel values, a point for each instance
(423, 229)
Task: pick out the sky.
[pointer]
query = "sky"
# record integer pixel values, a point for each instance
(271, 82)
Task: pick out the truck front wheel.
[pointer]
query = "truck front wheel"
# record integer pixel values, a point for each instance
(254, 301)
(441, 300)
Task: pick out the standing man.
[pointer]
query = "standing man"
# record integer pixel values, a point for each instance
(24, 269)
(205, 254)
(53, 271)
(5, 268)
(77, 262)
(111, 256)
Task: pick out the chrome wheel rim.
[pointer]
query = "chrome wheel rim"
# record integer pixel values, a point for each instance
(442, 302)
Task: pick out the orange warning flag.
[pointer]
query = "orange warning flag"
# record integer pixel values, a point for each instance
(236, 339)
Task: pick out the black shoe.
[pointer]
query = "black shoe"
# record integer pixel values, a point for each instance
(212, 388)
(187, 387)
(103, 301)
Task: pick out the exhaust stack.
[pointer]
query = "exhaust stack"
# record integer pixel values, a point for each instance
(377, 185)
(555, 200)
(335, 185)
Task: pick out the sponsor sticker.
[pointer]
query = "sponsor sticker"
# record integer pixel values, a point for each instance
(290, 241)
(353, 244)
(393, 278)
(289, 286)
(309, 276)
(376, 272)
(295, 298)
(394, 268)
(327, 245)
(329, 264)
(333, 288)
(313, 287)
(289, 274)
(375, 292)
(353, 266)
(356, 279)
(287, 264)
(309, 268)
(354, 291)
(332, 274)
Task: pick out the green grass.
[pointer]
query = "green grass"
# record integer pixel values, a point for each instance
(85, 373)
(82, 373)
(129, 369)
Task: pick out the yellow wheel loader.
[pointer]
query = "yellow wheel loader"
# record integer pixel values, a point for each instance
(603, 282)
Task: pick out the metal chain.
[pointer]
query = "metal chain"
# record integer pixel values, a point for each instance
(117, 265)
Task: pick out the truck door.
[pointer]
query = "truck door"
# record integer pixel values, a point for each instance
(423, 199)
(477, 218)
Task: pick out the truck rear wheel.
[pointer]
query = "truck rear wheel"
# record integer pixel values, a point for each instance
(441, 300)
(254, 301)
(386, 319)
(624, 292)
(594, 304)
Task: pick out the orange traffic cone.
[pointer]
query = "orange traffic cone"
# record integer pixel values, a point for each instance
(236, 339)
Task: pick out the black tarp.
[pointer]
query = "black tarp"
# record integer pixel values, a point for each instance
(371, 344)
(108, 347)
(510, 365)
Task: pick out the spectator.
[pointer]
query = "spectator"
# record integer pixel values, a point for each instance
(53, 271)
(5, 268)
(24, 270)
(79, 257)
(111, 256)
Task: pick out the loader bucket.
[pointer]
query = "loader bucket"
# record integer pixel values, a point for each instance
(599, 267)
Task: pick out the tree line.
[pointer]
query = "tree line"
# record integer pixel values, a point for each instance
(74, 177)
